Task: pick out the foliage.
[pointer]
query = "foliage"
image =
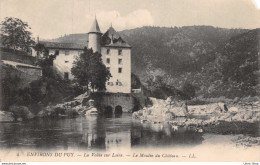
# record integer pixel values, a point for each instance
(9, 86)
(135, 81)
(15, 34)
(189, 90)
(46, 63)
(89, 70)
(40, 48)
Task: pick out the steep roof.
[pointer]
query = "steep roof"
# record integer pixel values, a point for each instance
(57, 45)
(112, 39)
(95, 28)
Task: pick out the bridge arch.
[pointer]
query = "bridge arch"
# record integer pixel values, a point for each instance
(108, 110)
(118, 109)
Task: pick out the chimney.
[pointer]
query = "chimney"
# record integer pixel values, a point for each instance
(112, 39)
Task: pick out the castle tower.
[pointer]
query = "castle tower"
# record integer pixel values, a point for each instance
(94, 37)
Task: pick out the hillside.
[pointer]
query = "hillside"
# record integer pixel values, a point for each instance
(176, 50)
(182, 49)
(216, 61)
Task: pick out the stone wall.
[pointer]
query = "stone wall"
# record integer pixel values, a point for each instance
(16, 56)
(113, 100)
(119, 82)
(25, 77)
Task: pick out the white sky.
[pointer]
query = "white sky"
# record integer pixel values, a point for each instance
(53, 18)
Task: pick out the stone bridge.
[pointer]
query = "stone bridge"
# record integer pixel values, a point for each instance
(114, 103)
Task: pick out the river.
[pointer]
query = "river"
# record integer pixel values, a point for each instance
(93, 133)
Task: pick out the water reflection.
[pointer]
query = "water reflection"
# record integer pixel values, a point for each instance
(93, 132)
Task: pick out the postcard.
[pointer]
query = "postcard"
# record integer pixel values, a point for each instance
(130, 80)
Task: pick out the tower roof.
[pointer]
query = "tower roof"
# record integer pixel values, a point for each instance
(95, 28)
(112, 39)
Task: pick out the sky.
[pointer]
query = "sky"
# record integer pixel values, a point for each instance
(54, 18)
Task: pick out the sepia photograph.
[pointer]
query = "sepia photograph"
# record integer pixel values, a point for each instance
(130, 81)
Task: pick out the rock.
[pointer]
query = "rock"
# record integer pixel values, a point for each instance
(71, 113)
(236, 100)
(223, 107)
(42, 114)
(146, 112)
(92, 111)
(21, 112)
(6, 116)
(169, 100)
(59, 106)
(169, 115)
(175, 128)
(79, 109)
(233, 110)
(91, 102)
(135, 115)
(248, 115)
(238, 117)
(178, 111)
(199, 130)
(48, 111)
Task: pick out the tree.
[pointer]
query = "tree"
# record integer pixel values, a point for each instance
(46, 63)
(135, 81)
(189, 90)
(40, 48)
(15, 34)
(89, 70)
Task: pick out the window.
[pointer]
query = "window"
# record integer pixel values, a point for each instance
(57, 52)
(120, 52)
(119, 70)
(66, 75)
(119, 61)
(108, 51)
(110, 83)
(108, 60)
(66, 61)
(67, 52)
(118, 83)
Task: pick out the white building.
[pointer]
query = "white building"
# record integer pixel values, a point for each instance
(116, 55)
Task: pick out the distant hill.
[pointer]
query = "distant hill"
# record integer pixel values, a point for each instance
(233, 70)
(181, 54)
(81, 38)
(175, 49)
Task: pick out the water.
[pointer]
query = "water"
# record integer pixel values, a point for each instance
(93, 132)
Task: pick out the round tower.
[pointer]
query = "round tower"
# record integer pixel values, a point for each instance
(94, 37)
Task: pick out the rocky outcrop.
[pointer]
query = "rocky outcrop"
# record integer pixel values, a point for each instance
(162, 110)
(178, 113)
(21, 113)
(208, 109)
(91, 111)
(6, 116)
(80, 106)
(46, 112)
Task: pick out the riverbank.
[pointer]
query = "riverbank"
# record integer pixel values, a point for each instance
(78, 106)
(215, 117)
